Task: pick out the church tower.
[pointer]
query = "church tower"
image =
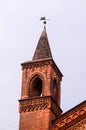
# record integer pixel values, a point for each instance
(41, 87)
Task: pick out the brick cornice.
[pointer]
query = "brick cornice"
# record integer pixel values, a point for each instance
(79, 124)
(42, 62)
(37, 63)
(70, 117)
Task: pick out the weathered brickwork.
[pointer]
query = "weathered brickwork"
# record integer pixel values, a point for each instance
(41, 85)
(39, 105)
(46, 71)
(72, 119)
(35, 120)
(81, 125)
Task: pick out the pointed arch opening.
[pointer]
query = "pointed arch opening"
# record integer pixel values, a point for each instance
(55, 89)
(36, 87)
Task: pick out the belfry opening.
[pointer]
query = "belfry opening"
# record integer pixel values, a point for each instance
(36, 87)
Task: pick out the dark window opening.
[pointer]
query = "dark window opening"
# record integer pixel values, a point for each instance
(55, 90)
(36, 87)
(54, 85)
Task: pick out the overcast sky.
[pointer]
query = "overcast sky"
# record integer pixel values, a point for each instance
(20, 30)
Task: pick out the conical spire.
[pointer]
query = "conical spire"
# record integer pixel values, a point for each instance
(43, 49)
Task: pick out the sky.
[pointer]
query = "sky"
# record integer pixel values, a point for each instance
(20, 29)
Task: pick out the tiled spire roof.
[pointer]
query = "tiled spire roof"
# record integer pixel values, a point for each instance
(43, 49)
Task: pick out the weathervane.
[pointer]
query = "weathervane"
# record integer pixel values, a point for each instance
(44, 20)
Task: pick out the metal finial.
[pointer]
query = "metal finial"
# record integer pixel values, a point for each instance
(44, 20)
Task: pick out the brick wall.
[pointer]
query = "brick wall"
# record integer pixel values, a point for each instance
(35, 120)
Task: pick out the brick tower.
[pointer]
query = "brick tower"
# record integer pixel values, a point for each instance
(41, 85)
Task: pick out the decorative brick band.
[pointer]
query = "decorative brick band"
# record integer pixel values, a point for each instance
(37, 63)
(33, 104)
(55, 109)
(70, 118)
(80, 125)
(33, 107)
(39, 103)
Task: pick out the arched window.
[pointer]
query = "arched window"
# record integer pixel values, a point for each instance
(36, 87)
(55, 89)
